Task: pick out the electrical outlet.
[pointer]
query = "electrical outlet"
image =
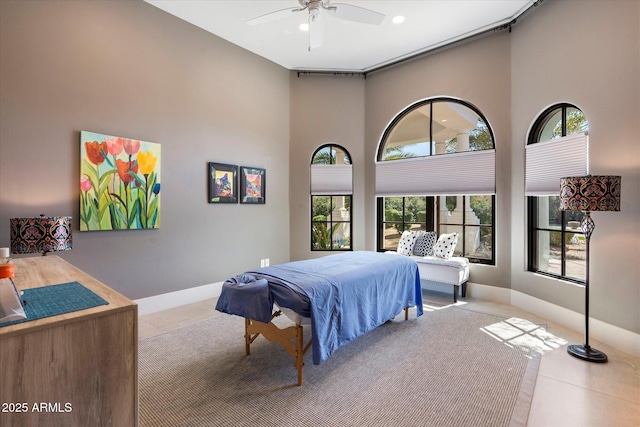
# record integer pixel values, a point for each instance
(266, 262)
(262, 262)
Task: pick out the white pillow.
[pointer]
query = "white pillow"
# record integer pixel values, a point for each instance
(446, 245)
(407, 241)
(424, 244)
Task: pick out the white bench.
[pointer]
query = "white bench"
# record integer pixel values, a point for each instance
(453, 271)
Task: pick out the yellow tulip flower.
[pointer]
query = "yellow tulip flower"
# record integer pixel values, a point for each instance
(146, 162)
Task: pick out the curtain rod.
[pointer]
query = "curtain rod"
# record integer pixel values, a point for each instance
(332, 73)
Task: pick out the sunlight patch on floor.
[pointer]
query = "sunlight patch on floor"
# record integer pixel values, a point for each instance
(521, 333)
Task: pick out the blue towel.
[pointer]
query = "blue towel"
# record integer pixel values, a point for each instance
(246, 296)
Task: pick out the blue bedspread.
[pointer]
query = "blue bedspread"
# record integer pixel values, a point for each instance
(349, 294)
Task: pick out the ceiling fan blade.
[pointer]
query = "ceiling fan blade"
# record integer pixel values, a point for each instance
(316, 31)
(273, 16)
(356, 13)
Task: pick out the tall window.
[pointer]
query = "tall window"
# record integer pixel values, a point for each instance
(435, 170)
(556, 244)
(331, 191)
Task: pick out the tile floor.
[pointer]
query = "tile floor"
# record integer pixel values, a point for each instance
(569, 392)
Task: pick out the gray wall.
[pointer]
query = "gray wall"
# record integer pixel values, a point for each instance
(126, 68)
(476, 72)
(325, 109)
(586, 53)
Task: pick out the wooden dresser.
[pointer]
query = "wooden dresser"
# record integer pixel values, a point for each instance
(75, 369)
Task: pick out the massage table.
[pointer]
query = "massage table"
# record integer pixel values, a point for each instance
(341, 297)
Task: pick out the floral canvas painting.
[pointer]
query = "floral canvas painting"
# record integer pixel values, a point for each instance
(119, 183)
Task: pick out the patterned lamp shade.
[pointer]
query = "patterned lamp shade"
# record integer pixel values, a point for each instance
(40, 234)
(590, 193)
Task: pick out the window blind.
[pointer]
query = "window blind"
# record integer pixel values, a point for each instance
(547, 162)
(331, 179)
(469, 172)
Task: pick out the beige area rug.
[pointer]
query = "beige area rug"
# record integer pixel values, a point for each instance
(445, 368)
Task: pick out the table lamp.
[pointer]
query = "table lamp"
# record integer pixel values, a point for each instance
(40, 234)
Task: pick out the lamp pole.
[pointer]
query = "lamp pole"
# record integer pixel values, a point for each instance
(585, 351)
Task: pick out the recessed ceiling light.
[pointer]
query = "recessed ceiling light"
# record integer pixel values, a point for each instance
(398, 19)
(304, 26)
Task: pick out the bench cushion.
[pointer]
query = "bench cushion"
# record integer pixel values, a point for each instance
(452, 271)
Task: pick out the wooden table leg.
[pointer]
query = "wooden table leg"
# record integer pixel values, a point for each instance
(247, 337)
(299, 353)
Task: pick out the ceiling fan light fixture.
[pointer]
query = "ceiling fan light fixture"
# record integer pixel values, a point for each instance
(315, 24)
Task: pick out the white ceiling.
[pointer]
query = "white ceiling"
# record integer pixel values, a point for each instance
(347, 46)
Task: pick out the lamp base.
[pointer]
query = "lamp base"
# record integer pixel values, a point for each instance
(587, 353)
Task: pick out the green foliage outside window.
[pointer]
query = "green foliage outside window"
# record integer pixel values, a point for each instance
(397, 152)
(322, 233)
(479, 139)
(326, 233)
(481, 205)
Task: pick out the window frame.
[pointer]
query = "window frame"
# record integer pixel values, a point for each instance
(403, 114)
(533, 228)
(433, 206)
(330, 220)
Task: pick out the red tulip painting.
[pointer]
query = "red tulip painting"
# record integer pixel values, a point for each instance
(119, 183)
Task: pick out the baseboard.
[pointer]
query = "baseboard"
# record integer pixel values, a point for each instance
(175, 299)
(621, 339)
(493, 293)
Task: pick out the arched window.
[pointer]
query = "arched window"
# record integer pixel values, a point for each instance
(331, 191)
(435, 170)
(557, 146)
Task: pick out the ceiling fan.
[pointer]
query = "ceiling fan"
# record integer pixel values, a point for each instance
(316, 23)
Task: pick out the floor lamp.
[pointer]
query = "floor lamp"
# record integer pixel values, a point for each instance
(589, 194)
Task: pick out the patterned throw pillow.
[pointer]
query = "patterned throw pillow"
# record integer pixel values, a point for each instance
(407, 241)
(446, 245)
(424, 244)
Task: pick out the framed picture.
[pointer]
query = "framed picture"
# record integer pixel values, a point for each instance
(119, 183)
(252, 185)
(223, 183)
